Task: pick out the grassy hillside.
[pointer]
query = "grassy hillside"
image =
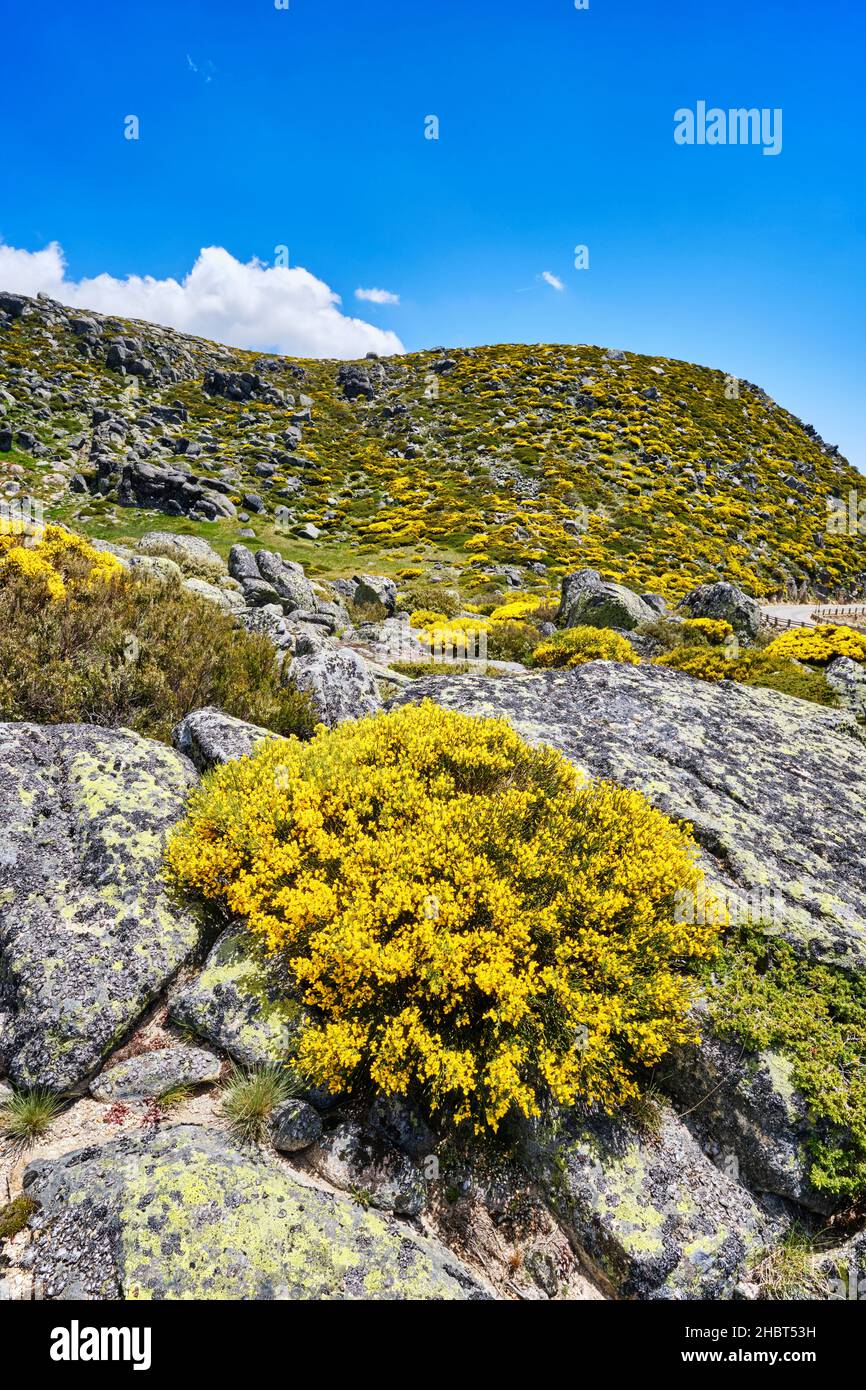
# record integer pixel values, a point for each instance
(544, 458)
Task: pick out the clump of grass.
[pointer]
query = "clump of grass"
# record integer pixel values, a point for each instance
(28, 1115)
(15, 1215)
(787, 1270)
(250, 1097)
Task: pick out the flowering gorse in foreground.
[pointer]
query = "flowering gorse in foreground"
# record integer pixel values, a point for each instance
(460, 913)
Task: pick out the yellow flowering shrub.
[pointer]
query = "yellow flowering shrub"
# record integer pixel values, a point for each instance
(516, 609)
(53, 556)
(462, 914)
(702, 662)
(426, 617)
(715, 630)
(819, 644)
(576, 645)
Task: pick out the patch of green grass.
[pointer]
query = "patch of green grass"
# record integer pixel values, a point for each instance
(787, 1270)
(249, 1098)
(765, 996)
(28, 1115)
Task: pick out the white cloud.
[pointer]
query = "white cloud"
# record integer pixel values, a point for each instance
(378, 296)
(552, 280)
(265, 308)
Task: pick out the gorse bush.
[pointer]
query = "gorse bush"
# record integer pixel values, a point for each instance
(462, 915)
(819, 644)
(762, 669)
(81, 641)
(715, 630)
(576, 645)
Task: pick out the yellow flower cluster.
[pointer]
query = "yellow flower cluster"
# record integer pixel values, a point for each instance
(701, 662)
(54, 557)
(819, 644)
(576, 645)
(462, 915)
(714, 629)
(517, 609)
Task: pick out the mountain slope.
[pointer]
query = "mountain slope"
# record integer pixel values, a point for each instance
(496, 466)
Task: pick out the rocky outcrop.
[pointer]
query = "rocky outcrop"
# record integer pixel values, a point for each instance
(589, 600)
(185, 1213)
(727, 602)
(88, 932)
(173, 491)
(653, 1215)
(339, 683)
(208, 737)
(848, 679)
(774, 787)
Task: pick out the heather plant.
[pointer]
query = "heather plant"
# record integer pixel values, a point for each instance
(461, 914)
(83, 642)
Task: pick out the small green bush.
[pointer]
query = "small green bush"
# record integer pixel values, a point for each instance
(137, 653)
(430, 596)
(28, 1115)
(250, 1097)
(512, 641)
(765, 996)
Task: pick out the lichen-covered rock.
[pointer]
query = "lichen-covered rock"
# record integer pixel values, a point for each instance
(154, 1074)
(774, 787)
(227, 599)
(339, 683)
(588, 599)
(848, 679)
(237, 1004)
(88, 933)
(726, 602)
(194, 555)
(373, 589)
(655, 1217)
(750, 1111)
(358, 1159)
(294, 1125)
(208, 737)
(288, 578)
(186, 1213)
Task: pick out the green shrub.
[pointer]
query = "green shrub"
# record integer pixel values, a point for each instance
(138, 653)
(433, 597)
(28, 1114)
(766, 996)
(250, 1097)
(512, 641)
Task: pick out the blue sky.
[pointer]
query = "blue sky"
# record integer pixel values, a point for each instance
(305, 128)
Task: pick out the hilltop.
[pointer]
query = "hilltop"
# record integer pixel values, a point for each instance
(492, 467)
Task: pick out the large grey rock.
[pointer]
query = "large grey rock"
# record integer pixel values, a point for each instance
(375, 588)
(187, 1213)
(287, 578)
(848, 679)
(748, 1107)
(242, 564)
(88, 932)
(774, 787)
(339, 683)
(354, 1158)
(154, 1074)
(208, 737)
(727, 602)
(239, 1005)
(226, 599)
(653, 1214)
(589, 600)
(193, 554)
